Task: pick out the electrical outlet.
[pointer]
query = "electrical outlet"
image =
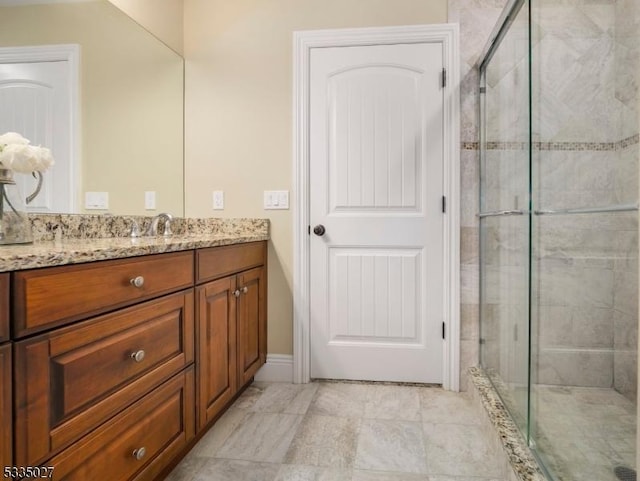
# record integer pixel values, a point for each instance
(218, 200)
(150, 200)
(96, 200)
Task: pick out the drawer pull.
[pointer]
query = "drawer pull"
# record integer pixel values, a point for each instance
(138, 356)
(137, 281)
(236, 293)
(245, 289)
(139, 453)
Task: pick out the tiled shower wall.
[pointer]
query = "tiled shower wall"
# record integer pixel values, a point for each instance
(585, 315)
(627, 51)
(476, 19)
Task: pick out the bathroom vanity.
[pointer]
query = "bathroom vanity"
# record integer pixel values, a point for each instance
(118, 365)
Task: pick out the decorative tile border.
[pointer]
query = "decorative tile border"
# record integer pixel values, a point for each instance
(557, 146)
(522, 461)
(629, 141)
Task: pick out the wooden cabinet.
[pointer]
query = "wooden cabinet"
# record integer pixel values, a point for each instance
(117, 363)
(137, 443)
(4, 307)
(75, 378)
(216, 367)
(251, 322)
(6, 390)
(53, 296)
(231, 324)
(6, 426)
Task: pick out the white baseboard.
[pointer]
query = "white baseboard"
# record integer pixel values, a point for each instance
(278, 368)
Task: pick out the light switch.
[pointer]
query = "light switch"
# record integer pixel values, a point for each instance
(96, 200)
(150, 200)
(276, 199)
(283, 199)
(218, 200)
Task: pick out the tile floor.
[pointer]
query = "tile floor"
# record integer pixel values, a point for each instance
(584, 433)
(326, 431)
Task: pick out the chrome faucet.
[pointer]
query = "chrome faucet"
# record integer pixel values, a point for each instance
(152, 230)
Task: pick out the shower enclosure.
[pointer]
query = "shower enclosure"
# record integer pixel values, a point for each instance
(559, 230)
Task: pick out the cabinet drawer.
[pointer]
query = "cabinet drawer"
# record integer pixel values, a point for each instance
(49, 297)
(216, 262)
(162, 423)
(4, 307)
(70, 380)
(6, 427)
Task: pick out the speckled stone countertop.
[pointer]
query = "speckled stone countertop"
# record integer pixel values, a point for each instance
(73, 239)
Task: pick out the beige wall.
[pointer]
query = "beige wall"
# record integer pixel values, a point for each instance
(238, 111)
(131, 96)
(163, 18)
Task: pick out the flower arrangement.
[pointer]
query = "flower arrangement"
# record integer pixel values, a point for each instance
(18, 155)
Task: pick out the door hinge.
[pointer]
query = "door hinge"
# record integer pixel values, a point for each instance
(444, 204)
(444, 77)
(443, 330)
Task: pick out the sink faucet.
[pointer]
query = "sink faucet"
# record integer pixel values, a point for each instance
(152, 230)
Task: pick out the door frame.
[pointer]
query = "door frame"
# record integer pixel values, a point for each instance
(303, 41)
(69, 53)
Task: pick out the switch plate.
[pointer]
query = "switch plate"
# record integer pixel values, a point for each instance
(218, 200)
(150, 200)
(96, 200)
(276, 199)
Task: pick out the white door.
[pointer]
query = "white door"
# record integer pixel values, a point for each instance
(376, 186)
(35, 101)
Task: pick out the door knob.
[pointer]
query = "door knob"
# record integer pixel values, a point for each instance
(319, 230)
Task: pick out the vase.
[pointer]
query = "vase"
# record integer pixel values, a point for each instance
(15, 227)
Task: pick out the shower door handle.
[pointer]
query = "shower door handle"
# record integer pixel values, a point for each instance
(501, 213)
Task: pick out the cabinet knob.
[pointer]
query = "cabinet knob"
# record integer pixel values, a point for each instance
(137, 281)
(138, 356)
(236, 293)
(139, 453)
(245, 289)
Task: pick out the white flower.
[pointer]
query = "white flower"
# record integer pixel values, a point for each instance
(12, 138)
(16, 154)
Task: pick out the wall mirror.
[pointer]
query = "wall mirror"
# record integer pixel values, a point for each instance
(126, 133)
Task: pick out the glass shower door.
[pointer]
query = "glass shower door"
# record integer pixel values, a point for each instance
(559, 154)
(504, 217)
(584, 287)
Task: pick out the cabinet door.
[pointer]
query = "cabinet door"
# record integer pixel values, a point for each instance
(252, 332)
(216, 356)
(4, 307)
(6, 428)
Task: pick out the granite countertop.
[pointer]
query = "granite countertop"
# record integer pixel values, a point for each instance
(68, 247)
